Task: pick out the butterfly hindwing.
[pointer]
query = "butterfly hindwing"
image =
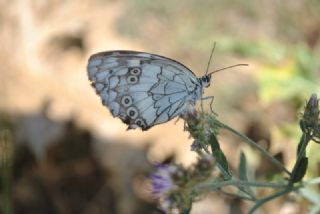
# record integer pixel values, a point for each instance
(141, 89)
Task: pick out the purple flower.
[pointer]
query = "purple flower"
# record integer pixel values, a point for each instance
(161, 179)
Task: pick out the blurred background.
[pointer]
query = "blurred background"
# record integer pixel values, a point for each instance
(62, 152)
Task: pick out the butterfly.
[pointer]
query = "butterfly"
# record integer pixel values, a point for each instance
(144, 89)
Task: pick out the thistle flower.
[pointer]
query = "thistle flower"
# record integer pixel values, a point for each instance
(161, 179)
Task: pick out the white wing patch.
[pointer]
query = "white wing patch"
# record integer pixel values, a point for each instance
(142, 89)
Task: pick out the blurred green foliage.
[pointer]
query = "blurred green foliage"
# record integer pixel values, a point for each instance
(294, 78)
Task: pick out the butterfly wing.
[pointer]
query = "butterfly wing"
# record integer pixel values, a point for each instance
(142, 89)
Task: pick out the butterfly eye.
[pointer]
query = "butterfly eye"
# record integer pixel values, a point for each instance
(132, 79)
(135, 71)
(204, 79)
(132, 112)
(126, 101)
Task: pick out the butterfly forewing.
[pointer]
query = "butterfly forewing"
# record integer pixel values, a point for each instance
(142, 89)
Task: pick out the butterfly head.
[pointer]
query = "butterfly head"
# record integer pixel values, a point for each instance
(205, 80)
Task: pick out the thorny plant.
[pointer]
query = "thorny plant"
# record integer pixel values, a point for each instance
(177, 187)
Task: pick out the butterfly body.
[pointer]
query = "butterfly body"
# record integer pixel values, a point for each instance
(144, 89)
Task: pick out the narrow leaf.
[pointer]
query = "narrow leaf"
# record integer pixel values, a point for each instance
(243, 167)
(219, 156)
(243, 174)
(300, 170)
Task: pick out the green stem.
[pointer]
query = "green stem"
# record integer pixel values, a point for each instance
(217, 185)
(235, 195)
(269, 198)
(255, 145)
(247, 192)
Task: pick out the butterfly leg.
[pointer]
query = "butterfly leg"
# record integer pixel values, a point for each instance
(211, 98)
(202, 104)
(184, 123)
(178, 118)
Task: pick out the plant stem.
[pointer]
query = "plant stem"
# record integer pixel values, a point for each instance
(216, 185)
(255, 145)
(239, 196)
(270, 197)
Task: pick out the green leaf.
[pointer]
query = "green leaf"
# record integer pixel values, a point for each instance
(243, 173)
(302, 145)
(215, 146)
(243, 167)
(300, 170)
(302, 125)
(219, 156)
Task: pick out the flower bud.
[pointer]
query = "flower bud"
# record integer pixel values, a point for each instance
(310, 119)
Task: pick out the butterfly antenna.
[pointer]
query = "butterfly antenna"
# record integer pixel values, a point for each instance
(215, 71)
(209, 62)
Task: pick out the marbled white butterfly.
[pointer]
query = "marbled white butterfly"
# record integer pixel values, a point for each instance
(144, 89)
